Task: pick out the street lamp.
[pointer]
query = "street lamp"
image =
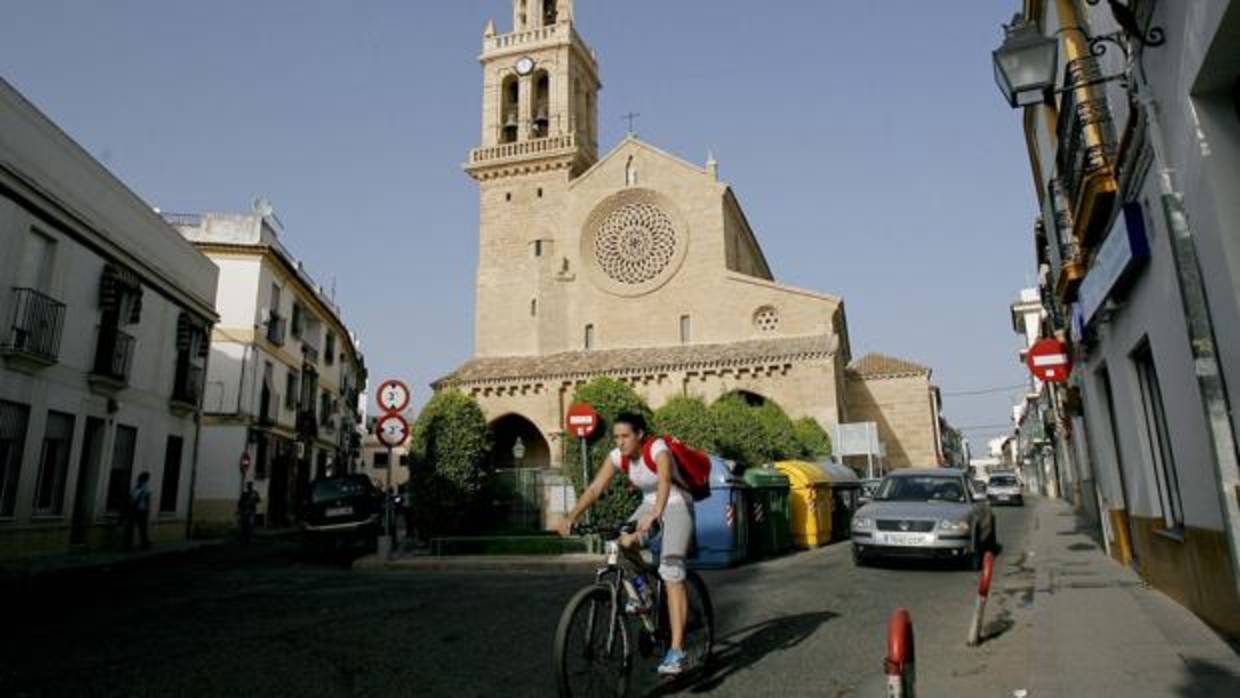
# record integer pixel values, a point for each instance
(518, 451)
(1026, 63)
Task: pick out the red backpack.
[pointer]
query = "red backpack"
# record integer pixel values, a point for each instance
(692, 467)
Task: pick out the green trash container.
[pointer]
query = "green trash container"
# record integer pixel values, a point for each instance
(770, 529)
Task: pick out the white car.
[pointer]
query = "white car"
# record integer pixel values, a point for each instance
(1005, 489)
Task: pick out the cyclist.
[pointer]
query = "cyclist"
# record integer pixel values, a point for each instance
(663, 500)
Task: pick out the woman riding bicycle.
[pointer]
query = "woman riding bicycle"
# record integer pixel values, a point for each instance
(662, 500)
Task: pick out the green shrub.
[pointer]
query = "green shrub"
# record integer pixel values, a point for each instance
(688, 419)
(778, 434)
(739, 436)
(814, 441)
(609, 397)
(448, 454)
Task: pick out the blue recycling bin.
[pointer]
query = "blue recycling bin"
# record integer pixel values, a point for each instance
(721, 521)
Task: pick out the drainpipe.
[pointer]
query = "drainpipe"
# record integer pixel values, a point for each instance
(193, 468)
(1211, 385)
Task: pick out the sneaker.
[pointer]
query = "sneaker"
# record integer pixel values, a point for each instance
(674, 663)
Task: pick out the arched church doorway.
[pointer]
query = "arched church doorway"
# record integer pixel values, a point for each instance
(520, 456)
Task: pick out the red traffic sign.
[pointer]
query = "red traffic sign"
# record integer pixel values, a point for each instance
(245, 462)
(392, 430)
(393, 396)
(582, 420)
(1049, 361)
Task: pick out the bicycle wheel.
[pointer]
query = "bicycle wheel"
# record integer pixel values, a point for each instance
(592, 653)
(700, 625)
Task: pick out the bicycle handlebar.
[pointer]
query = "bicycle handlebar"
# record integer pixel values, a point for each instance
(610, 532)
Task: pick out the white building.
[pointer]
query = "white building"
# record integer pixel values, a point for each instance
(1137, 180)
(285, 379)
(104, 319)
(377, 462)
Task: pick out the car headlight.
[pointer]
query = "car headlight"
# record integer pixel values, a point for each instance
(954, 526)
(862, 523)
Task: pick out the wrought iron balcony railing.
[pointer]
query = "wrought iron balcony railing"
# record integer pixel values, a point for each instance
(36, 325)
(277, 327)
(113, 354)
(1087, 146)
(188, 386)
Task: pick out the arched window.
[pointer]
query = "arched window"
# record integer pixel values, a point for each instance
(510, 96)
(542, 105)
(550, 12)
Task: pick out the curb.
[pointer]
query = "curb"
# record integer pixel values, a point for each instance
(482, 563)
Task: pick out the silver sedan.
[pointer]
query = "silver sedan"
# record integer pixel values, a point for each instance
(924, 512)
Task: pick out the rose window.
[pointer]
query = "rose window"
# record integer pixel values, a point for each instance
(766, 319)
(635, 243)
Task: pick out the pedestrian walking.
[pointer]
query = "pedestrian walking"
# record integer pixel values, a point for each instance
(247, 511)
(139, 514)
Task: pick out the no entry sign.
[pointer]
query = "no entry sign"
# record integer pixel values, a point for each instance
(1049, 361)
(582, 420)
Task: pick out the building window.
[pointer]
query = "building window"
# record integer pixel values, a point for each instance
(171, 482)
(1158, 436)
(540, 192)
(533, 307)
(589, 337)
(329, 348)
(292, 389)
(538, 248)
(123, 451)
(685, 329)
(508, 196)
(13, 419)
(381, 460)
(298, 320)
(49, 493)
(192, 347)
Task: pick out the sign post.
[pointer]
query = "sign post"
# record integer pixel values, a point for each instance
(582, 421)
(392, 431)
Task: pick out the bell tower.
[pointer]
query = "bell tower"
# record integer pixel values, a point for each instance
(540, 89)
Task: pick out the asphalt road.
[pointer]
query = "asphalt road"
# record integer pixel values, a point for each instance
(230, 622)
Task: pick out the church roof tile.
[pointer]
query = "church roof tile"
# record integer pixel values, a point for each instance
(875, 365)
(607, 361)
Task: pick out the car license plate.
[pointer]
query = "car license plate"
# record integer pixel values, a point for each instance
(340, 511)
(904, 539)
(1004, 497)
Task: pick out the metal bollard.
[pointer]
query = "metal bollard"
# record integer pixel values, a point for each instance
(899, 664)
(983, 592)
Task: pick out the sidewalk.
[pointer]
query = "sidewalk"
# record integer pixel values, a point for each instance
(1099, 631)
(480, 563)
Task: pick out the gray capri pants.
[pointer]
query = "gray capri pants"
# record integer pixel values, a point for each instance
(677, 535)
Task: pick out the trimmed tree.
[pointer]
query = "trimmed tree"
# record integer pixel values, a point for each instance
(688, 419)
(813, 440)
(739, 436)
(449, 446)
(609, 397)
(779, 439)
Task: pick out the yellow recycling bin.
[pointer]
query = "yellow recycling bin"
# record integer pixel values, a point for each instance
(810, 500)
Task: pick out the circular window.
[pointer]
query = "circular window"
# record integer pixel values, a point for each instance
(636, 241)
(766, 319)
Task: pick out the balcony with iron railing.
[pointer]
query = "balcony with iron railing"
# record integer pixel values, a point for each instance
(277, 329)
(1086, 157)
(35, 327)
(113, 358)
(187, 388)
(310, 353)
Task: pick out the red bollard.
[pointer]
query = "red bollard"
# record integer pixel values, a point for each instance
(983, 592)
(899, 664)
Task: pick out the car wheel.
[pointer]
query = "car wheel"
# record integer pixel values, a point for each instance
(859, 557)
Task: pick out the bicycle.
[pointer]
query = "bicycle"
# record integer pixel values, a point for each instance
(593, 655)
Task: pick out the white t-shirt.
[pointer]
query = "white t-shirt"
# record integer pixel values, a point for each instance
(647, 480)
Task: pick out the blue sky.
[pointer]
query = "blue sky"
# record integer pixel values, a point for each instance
(866, 141)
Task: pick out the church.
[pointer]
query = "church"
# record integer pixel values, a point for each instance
(637, 264)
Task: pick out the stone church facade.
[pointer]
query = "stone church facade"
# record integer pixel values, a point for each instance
(636, 265)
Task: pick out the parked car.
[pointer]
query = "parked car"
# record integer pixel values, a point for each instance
(924, 512)
(979, 488)
(342, 509)
(1005, 489)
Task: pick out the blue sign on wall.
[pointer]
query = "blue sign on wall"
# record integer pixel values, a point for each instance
(1124, 251)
